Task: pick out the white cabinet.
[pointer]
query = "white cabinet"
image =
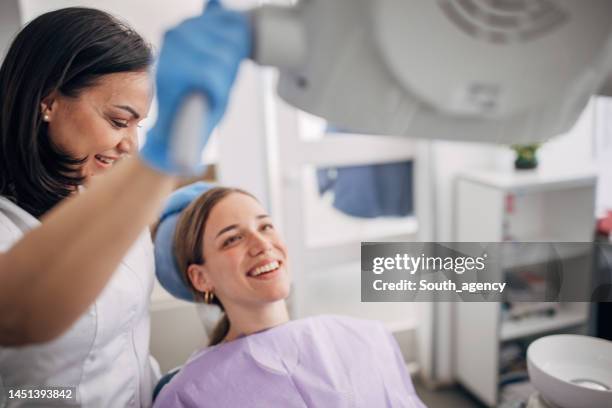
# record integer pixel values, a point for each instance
(518, 206)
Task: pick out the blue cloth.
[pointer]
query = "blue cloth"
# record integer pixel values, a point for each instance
(200, 55)
(166, 268)
(324, 361)
(381, 190)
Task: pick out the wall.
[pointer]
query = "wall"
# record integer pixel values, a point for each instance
(9, 23)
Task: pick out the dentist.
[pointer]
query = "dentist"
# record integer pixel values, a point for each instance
(76, 264)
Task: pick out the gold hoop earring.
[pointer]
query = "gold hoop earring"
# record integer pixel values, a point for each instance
(209, 297)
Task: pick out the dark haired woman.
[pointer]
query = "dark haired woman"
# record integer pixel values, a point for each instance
(76, 264)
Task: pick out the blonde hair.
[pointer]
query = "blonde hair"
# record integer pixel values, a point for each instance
(188, 248)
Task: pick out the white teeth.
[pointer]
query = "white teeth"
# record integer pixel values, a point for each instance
(105, 160)
(265, 268)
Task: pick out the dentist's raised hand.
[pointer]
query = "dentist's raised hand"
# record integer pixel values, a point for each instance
(200, 57)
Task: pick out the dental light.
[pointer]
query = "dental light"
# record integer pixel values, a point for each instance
(503, 71)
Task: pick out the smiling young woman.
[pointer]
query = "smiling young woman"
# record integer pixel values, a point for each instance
(227, 246)
(221, 247)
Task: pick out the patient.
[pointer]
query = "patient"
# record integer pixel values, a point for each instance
(229, 254)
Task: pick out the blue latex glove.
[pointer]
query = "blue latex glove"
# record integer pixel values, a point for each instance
(201, 55)
(166, 268)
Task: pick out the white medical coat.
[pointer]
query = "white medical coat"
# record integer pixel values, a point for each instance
(105, 354)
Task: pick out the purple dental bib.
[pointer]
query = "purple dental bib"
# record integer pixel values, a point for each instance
(325, 361)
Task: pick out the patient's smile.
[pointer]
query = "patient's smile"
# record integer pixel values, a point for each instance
(264, 269)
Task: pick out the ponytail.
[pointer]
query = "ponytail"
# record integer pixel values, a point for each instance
(220, 331)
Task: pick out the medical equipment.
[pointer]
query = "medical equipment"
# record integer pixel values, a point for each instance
(570, 371)
(324, 361)
(500, 71)
(504, 71)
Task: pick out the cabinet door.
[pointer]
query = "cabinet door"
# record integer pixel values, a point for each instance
(477, 349)
(479, 212)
